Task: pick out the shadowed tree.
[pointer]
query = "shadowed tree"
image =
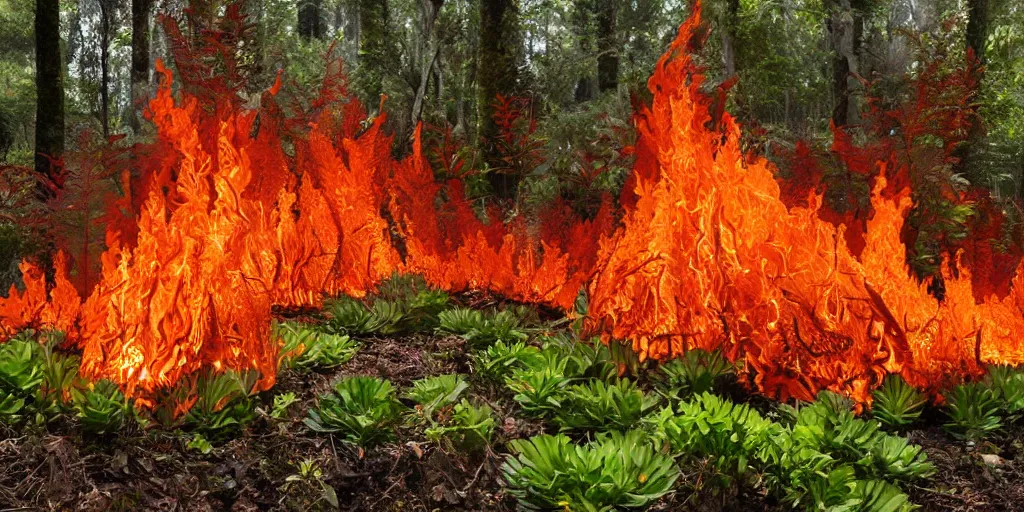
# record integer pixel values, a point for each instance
(310, 23)
(140, 57)
(49, 88)
(607, 45)
(374, 47)
(497, 74)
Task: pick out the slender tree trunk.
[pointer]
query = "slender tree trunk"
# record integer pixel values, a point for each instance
(49, 91)
(374, 46)
(728, 32)
(607, 45)
(105, 67)
(140, 58)
(428, 12)
(310, 23)
(584, 27)
(497, 73)
(977, 35)
(842, 27)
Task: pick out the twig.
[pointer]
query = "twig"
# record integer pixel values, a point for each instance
(475, 477)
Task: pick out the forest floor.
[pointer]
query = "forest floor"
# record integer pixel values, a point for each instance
(258, 469)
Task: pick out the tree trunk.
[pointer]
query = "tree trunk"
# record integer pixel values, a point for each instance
(844, 26)
(583, 26)
(497, 73)
(49, 90)
(977, 35)
(310, 23)
(428, 12)
(728, 32)
(374, 44)
(977, 28)
(105, 67)
(140, 58)
(607, 45)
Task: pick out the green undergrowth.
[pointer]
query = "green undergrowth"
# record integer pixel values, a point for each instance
(573, 423)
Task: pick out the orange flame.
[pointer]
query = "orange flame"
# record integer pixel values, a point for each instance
(706, 255)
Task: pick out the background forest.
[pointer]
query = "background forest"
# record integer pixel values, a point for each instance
(536, 95)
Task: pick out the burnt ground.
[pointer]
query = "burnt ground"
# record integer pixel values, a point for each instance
(57, 469)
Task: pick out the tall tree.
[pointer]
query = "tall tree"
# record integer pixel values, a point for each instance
(584, 31)
(107, 13)
(310, 22)
(429, 10)
(140, 57)
(846, 28)
(729, 27)
(977, 36)
(497, 74)
(49, 87)
(374, 46)
(607, 45)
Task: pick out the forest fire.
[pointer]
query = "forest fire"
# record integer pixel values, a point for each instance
(706, 255)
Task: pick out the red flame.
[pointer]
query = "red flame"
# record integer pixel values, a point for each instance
(706, 254)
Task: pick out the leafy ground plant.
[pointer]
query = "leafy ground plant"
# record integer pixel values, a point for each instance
(469, 428)
(361, 410)
(973, 410)
(223, 406)
(540, 390)
(481, 330)
(696, 372)
(599, 405)
(351, 316)
(101, 408)
(1008, 384)
(21, 373)
(896, 403)
(432, 393)
(501, 358)
(613, 472)
(711, 427)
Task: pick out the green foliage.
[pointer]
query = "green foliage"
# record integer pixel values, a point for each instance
(60, 371)
(613, 472)
(599, 405)
(296, 338)
(469, 428)
(21, 374)
(827, 459)
(973, 410)
(481, 330)
(540, 390)
(328, 351)
(583, 359)
(303, 346)
(844, 437)
(281, 404)
(710, 427)
(1008, 384)
(896, 403)
(101, 408)
(432, 393)
(499, 359)
(351, 316)
(695, 373)
(223, 406)
(362, 410)
(199, 443)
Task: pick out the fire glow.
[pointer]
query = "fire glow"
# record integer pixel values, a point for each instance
(706, 255)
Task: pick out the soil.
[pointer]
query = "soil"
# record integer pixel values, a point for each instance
(56, 468)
